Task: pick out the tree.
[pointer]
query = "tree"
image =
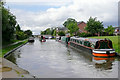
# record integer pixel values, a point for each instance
(28, 32)
(8, 24)
(94, 26)
(20, 35)
(10, 27)
(18, 28)
(61, 33)
(71, 24)
(48, 31)
(110, 30)
(54, 33)
(42, 32)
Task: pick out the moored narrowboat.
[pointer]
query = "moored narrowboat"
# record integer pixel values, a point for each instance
(31, 39)
(42, 39)
(98, 47)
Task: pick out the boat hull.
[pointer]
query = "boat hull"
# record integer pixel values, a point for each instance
(104, 55)
(80, 47)
(104, 52)
(30, 40)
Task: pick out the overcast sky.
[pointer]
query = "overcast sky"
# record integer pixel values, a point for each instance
(37, 15)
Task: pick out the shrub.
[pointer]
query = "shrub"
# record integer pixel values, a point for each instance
(61, 33)
(84, 34)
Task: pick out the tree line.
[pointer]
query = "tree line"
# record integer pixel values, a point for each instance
(93, 27)
(10, 28)
(49, 31)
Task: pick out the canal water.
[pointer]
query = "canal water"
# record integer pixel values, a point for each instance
(52, 59)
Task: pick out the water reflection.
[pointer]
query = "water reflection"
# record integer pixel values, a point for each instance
(14, 56)
(103, 63)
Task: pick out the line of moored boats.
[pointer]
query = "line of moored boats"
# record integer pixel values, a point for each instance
(98, 47)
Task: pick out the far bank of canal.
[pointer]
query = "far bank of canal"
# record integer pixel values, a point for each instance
(54, 60)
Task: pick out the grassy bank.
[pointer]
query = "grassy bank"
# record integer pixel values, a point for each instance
(114, 40)
(5, 43)
(7, 49)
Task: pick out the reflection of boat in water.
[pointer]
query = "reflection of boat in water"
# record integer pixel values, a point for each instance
(98, 47)
(43, 40)
(103, 63)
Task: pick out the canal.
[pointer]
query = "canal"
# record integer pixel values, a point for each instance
(52, 59)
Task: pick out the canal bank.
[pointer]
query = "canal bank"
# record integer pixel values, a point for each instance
(9, 69)
(10, 48)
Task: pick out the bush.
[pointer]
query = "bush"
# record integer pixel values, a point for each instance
(84, 34)
(21, 35)
(61, 33)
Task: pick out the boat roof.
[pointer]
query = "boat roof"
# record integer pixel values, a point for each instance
(86, 39)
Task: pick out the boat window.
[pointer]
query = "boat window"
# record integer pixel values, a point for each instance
(87, 43)
(77, 41)
(80, 42)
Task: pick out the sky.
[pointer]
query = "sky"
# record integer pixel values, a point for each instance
(38, 15)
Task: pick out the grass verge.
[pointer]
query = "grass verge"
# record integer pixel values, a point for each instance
(7, 49)
(114, 40)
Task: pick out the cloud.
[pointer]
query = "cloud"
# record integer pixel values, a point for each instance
(80, 10)
(41, 2)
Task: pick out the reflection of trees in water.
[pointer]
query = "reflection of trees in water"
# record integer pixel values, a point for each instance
(106, 65)
(13, 56)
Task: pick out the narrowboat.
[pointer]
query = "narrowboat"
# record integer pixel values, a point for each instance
(98, 47)
(42, 39)
(63, 39)
(31, 39)
(58, 38)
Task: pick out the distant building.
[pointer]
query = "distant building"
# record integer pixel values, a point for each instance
(117, 31)
(64, 29)
(81, 26)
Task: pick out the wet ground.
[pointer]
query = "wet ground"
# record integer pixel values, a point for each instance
(52, 59)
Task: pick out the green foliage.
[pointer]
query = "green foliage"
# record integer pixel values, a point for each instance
(54, 34)
(47, 32)
(21, 35)
(10, 28)
(52, 31)
(110, 30)
(84, 34)
(18, 28)
(61, 33)
(28, 33)
(94, 26)
(71, 24)
(7, 49)
(8, 24)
